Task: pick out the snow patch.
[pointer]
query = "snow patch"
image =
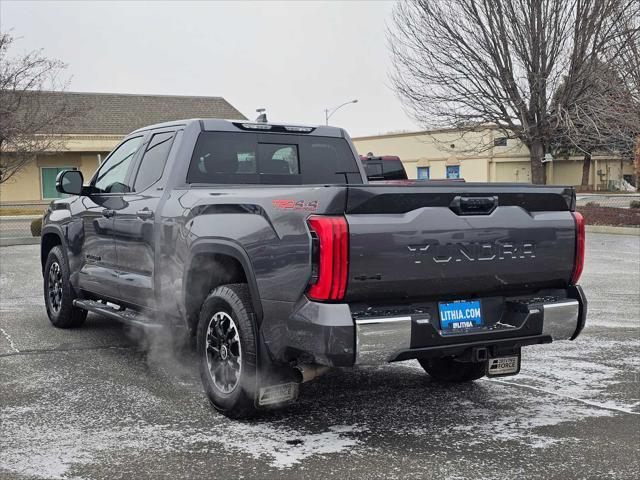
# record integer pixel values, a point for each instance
(282, 446)
(56, 449)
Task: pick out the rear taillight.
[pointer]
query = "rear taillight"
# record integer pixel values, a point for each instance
(331, 238)
(578, 262)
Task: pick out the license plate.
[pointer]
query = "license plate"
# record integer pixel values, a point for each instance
(460, 315)
(502, 366)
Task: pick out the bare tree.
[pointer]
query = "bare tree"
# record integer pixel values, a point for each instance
(624, 54)
(637, 162)
(627, 64)
(460, 63)
(606, 120)
(29, 123)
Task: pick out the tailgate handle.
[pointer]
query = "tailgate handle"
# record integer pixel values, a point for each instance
(473, 205)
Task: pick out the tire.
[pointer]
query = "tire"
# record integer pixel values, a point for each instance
(226, 347)
(59, 294)
(449, 370)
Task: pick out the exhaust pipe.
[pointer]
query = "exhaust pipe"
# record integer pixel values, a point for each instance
(305, 373)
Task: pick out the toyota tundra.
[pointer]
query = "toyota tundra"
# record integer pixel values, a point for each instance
(268, 243)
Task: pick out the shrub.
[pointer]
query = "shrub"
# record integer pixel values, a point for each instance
(592, 204)
(635, 204)
(36, 227)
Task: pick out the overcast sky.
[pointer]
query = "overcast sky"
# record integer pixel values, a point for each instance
(295, 59)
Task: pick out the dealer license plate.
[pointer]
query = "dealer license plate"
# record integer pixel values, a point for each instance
(502, 366)
(460, 315)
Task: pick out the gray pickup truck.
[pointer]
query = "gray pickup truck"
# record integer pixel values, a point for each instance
(270, 246)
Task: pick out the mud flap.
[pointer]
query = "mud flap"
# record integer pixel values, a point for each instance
(278, 394)
(275, 386)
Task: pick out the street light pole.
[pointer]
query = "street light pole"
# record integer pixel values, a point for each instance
(328, 112)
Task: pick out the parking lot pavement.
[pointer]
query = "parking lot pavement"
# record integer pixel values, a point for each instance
(98, 402)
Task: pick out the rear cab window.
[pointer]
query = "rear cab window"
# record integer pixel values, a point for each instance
(271, 159)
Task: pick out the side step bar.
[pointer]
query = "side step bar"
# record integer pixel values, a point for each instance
(128, 317)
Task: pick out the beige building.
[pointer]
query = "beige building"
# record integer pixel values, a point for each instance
(485, 155)
(106, 119)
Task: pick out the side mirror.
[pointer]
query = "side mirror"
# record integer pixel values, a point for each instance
(70, 181)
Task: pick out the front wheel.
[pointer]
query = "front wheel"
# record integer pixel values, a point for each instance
(451, 371)
(226, 345)
(58, 292)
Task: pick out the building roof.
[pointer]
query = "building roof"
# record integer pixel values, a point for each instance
(417, 133)
(120, 113)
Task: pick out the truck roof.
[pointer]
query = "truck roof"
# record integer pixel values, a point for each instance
(218, 124)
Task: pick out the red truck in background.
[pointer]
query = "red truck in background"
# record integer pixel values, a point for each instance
(386, 167)
(389, 169)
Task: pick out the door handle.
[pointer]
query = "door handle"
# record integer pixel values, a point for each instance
(144, 214)
(108, 213)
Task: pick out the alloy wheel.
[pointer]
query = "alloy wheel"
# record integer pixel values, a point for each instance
(224, 353)
(54, 287)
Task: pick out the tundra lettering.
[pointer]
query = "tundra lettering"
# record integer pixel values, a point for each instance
(471, 252)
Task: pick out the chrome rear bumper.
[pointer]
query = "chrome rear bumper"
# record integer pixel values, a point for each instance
(378, 339)
(560, 319)
(382, 339)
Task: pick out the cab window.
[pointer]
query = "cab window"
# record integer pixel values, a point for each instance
(153, 161)
(248, 158)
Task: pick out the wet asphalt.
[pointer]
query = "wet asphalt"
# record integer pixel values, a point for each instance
(101, 402)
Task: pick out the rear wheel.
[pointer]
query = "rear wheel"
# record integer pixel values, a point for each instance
(58, 292)
(449, 370)
(226, 348)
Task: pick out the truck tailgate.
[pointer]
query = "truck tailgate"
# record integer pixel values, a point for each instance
(458, 239)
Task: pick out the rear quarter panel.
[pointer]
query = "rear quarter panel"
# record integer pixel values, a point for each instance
(268, 223)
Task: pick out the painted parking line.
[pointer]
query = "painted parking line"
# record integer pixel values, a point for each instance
(10, 340)
(551, 392)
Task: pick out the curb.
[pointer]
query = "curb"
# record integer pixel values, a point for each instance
(6, 242)
(612, 230)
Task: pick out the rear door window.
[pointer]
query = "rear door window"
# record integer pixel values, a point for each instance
(271, 159)
(153, 161)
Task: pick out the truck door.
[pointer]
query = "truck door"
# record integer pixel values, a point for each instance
(135, 222)
(98, 273)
